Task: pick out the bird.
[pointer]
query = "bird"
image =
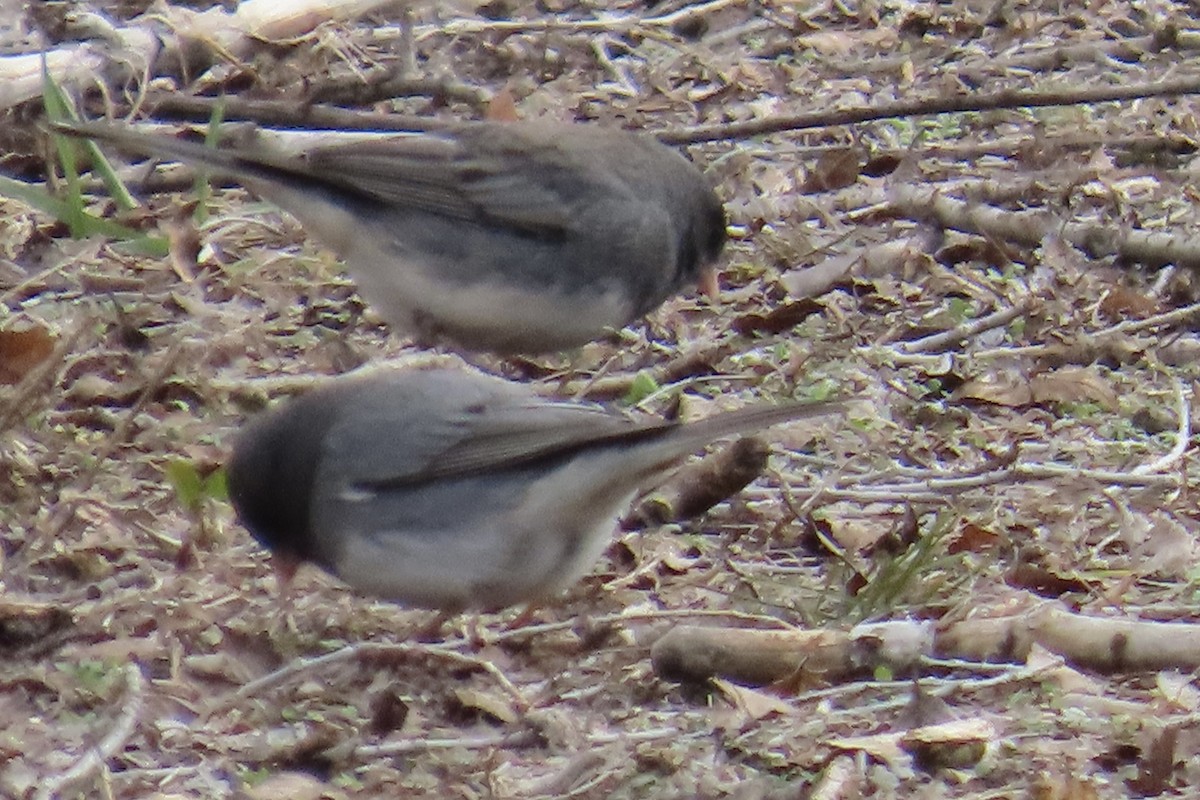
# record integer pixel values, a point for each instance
(453, 490)
(524, 237)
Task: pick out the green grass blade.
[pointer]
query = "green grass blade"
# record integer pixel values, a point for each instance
(87, 224)
(212, 138)
(58, 107)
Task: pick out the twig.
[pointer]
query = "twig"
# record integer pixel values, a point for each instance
(1183, 433)
(520, 739)
(625, 84)
(1151, 248)
(109, 746)
(1125, 328)
(641, 616)
(614, 23)
(364, 651)
(940, 105)
(939, 486)
(1179, 315)
(954, 336)
(289, 113)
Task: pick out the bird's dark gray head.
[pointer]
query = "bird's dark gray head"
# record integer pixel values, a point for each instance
(710, 233)
(272, 471)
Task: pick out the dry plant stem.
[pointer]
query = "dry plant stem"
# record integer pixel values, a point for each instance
(1158, 142)
(519, 739)
(693, 362)
(1183, 413)
(140, 51)
(292, 113)
(1103, 644)
(941, 105)
(1167, 319)
(758, 657)
(1150, 248)
(1005, 675)
(364, 650)
(841, 779)
(112, 743)
(369, 90)
(646, 616)
(1178, 316)
(1130, 49)
(35, 280)
(1118, 645)
(613, 24)
(560, 783)
(621, 79)
(955, 336)
(935, 489)
(699, 485)
(937, 485)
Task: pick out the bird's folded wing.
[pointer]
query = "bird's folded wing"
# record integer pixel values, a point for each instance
(438, 176)
(502, 438)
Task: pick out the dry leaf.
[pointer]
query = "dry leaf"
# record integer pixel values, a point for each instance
(1168, 548)
(753, 703)
(96, 390)
(22, 347)
(183, 240)
(502, 107)
(292, 785)
(1073, 385)
(1002, 389)
(219, 666)
(854, 534)
(899, 258)
(491, 704)
(883, 747)
(818, 278)
(24, 621)
(1067, 787)
(835, 169)
(1122, 302)
(1177, 689)
(959, 744)
(973, 538)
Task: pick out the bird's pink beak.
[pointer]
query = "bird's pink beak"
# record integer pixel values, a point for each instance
(284, 566)
(708, 284)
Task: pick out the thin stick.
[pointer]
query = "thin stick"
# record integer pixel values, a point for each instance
(109, 746)
(363, 651)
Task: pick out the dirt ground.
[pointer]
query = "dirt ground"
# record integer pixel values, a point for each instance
(1005, 282)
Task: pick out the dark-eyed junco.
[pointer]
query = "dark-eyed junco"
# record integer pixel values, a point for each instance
(453, 490)
(520, 237)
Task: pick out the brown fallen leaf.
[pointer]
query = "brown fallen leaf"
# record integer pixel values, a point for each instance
(490, 704)
(834, 169)
(959, 744)
(1073, 385)
(502, 107)
(23, 346)
(25, 621)
(1001, 389)
(754, 703)
(1067, 787)
(1121, 302)
(295, 785)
